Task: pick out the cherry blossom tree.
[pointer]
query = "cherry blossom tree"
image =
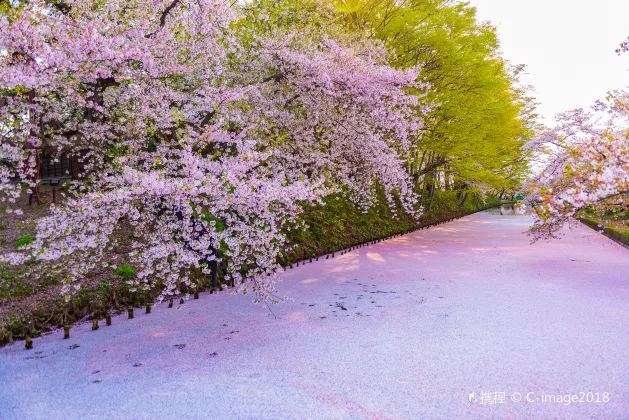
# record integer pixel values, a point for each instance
(193, 139)
(588, 166)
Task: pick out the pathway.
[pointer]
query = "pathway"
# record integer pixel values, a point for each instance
(436, 324)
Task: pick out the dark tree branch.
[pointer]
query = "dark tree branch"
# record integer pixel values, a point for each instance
(63, 7)
(166, 12)
(208, 117)
(276, 78)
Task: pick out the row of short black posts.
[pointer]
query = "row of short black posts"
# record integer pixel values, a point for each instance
(214, 266)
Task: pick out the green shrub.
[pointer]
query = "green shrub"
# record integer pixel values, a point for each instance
(24, 240)
(125, 272)
(12, 285)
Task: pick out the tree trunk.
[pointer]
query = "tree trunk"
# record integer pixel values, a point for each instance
(425, 182)
(463, 202)
(432, 193)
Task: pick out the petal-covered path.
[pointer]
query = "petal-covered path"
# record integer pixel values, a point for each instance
(457, 321)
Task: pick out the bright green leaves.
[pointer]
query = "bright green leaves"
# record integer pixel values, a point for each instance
(24, 241)
(347, 6)
(125, 272)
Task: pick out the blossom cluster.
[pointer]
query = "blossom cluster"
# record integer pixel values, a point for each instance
(588, 166)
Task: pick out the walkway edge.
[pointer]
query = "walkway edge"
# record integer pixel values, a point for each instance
(606, 231)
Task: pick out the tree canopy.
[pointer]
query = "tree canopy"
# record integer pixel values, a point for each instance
(204, 126)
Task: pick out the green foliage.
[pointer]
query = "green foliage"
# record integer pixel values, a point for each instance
(475, 135)
(104, 288)
(219, 224)
(24, 241)
(15, 283)
(11, 286)
(125, 272)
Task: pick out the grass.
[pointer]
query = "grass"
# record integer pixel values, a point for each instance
(11, 286)
(614, 224)
(14, 284)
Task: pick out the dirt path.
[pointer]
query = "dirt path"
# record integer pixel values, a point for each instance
(408, 328)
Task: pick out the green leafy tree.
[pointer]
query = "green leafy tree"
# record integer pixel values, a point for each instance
(476, 134)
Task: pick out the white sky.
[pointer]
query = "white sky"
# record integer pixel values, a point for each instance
(569, 47)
